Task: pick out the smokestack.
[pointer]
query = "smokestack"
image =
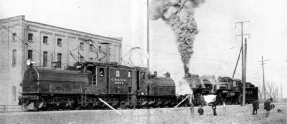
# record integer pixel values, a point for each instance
(179, 15)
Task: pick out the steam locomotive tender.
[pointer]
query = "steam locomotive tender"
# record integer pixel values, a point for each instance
(81, 86)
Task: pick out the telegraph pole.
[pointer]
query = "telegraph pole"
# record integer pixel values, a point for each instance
(244, 52)
(264, 88)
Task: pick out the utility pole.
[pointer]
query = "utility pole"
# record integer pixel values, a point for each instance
(243, 60)
(264, 88)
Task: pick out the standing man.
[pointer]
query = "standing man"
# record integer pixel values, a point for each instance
(255, 105)
(267, 107)
(134, 100)
(214, 108)
(191, 104)
(202, 100)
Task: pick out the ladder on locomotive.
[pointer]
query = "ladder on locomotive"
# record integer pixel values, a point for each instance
(84, 97)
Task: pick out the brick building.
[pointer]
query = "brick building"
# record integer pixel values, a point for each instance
(49, 46)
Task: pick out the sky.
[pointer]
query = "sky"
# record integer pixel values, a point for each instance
(216, 46)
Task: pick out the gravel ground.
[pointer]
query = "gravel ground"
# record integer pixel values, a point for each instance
(234, 114)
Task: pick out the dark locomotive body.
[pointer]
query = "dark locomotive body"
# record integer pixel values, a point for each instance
(227, 90)
(81, 86)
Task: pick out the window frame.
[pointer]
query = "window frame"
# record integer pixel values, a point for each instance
(102, 72)
(30, 37)
(14, 57)
(118, 73)
(82, 46)
(14, 35)
(45, 59)
(59, 42)
(45, 40)
(91, 48)
(129, 74)
(82, 59)
(30, 54)
(59, 61)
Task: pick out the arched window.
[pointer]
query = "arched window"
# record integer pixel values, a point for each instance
(30, 54)
(91, 47)
(59, 60)
(100, 49)
(14, 37)
(45, 59)
(30, 37)
(59, 42)
(91, 59)
(14, 52)
(82, 46)
(81, 59)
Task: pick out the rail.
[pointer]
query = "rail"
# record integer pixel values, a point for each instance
(9, 107)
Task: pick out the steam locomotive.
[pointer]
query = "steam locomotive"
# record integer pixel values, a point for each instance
(83, 86)
(226, 89)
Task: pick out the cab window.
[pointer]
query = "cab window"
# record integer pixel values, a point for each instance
(117, 73)
(129, 74)
(143, 75)
(102, 72)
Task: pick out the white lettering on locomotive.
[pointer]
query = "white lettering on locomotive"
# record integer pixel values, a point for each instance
(118, 81)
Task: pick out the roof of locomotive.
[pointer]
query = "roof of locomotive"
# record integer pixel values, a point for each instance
(60, 75)
(163, 81)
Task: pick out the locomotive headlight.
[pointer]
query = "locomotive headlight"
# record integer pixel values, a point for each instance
(30, 62)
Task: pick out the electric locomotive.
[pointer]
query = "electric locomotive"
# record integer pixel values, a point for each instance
(83, 85)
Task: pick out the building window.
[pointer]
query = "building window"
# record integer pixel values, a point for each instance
(117, 73)
(91, 47)
(82, 46)
(30, 54)
(14, 94)
(14, 52)
(81, 59)
(45, 58)
(30, 37)
(14, 37)
(91, 59)
(100, 49)
(59, 42)
(59, 60)
(45, 40)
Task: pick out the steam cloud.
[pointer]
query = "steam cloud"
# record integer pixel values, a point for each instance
(179, 14)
